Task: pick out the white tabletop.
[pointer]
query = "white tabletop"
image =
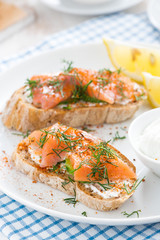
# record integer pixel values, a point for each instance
(47, 22)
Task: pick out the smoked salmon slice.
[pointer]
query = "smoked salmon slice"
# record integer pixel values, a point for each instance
(90, 158)
(49, 91)
(106, 86)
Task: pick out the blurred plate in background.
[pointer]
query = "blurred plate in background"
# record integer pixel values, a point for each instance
(74, 7)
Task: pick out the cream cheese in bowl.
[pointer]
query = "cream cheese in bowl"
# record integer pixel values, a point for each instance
(149, 142)
(144, 136)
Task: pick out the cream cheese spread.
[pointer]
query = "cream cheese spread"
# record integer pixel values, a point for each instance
(149, 142)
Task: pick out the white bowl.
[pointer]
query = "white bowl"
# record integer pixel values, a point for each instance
(135, 130)
(92, 1)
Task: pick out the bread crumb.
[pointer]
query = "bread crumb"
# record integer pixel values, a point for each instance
(5, 159)
(34, 181)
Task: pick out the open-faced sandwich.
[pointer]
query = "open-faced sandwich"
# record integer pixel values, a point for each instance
(75, 97)
(79, 164)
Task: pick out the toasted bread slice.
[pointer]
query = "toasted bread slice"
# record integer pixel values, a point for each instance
(85, 193)
(24, 116)
(93, 200)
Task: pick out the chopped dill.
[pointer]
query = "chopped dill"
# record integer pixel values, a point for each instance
(123, 129)
(24, 135)
(57, 85)
(68, 66)
(132, 213)
(140, 97)
(84, 214)
(134, 187)
(99, 152)
(43, 139)
(103, 81)
(87, 129)
(103, 70)
(119, 70)
(70, 141)
(56, 168)
(70, 180)
(71, 200)
(80, 94)
(118, 137)
(106, 186)
(30, 85)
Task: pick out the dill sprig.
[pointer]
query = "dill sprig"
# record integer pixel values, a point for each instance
(119, 70)
(102, 81)
(57, 85)
(123, 129)
(105, 186)
(85, 128)
(104, 70)
(80, 94)
(84, 213)
(43, 139)
(102, 153)
(31, 84)
(66, 182)
(24, 135)
(118, 137)
(57, 167)
(68, 66)
(134, 187)
(141, 96)
(71, 200)
(70, 141)
(132, 213)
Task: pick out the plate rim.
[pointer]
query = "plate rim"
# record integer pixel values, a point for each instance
(81, 219)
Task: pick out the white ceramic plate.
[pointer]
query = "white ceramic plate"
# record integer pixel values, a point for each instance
(153, 11)
(47, 200)
(71, 6)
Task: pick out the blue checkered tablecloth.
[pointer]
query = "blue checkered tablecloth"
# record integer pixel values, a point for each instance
(19, 222)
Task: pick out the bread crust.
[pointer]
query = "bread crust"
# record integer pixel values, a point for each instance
(21, 159)
(23, 116)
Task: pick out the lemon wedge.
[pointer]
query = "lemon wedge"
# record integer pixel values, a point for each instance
(152, 84)
(133, 59)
